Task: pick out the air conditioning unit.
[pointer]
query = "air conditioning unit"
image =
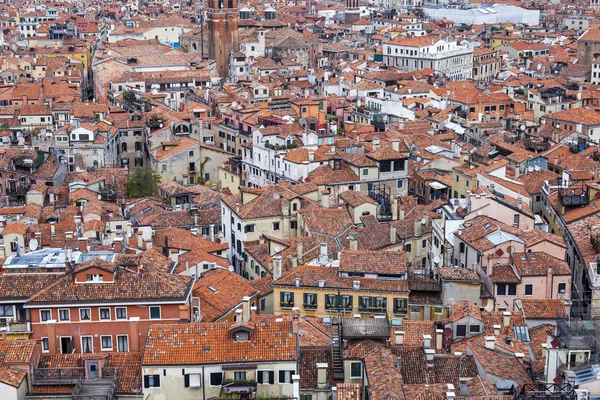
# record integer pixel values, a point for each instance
(582, 394)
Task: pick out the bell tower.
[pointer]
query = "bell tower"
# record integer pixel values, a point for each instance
(352, 13)
(222, 23)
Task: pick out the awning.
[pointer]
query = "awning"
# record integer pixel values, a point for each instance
(437, 186)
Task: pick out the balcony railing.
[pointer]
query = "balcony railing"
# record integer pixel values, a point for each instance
(373, 310)
(58, 376)
(15, 326)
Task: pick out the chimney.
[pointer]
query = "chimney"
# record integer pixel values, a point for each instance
(394, 208)
(300, 252)
(140, 240)
(417, 227)
(519, 203)
(82, 244)
(52, 229)
(393, 235)
(323, 254)
(325, 199)
(134, 334)
(506, 319)
(212, 232)
(549, 282)
(426, 341)
(246, 309)
(520, 357)
(4, 332)
(237, 208)
(51, 331)
(490, 342)
(194, 231)
(399, 337)
(311, 155)
(463, 389)
(276, 268)
(352, 241)
(69, 235)
(497, 330)
(555, 160)
(396, 145)
(376, 142)
(450, 394)
(429, 354)
(439, 339)
(322, 375)
(334, 393)
(296, 386)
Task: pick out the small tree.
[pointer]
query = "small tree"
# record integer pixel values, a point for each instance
(143, 182)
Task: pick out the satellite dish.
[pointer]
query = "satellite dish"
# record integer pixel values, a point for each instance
(522, 127)
(276, 196)
(99, 197)
(424, 221)
(479, 212)
(161, 125)
(233, 104)
(231, 269)
(277, 249)
(33, 244)
(436, 259)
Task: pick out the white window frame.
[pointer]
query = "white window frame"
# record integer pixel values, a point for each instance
(117, 315)
(150, 312)
(68, 315)
(47, 349)
(100, 314)
(102, 348)
(291, 377)
(356, 376)
(85, 320)
(81, 343)
(120, 351)
(210, 378)
(45, 309)
(199, 381)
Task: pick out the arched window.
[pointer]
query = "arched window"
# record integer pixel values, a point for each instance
(95, 163)
(124, 147)
(194, 47)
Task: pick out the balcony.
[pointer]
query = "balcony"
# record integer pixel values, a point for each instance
(18, 190)
(15, 327)
(573, 196)
(546, 391)
(372, 310)
(536, 144)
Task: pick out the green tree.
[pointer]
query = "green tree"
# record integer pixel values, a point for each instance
(143, 182)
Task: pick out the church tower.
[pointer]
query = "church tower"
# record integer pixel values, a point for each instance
(352, 13)
(222, 22)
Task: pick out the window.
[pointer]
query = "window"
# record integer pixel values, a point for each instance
(512, 289)
(293, 225)
(164, 167)
(275, 226)
(408, 247)
(104, 313)
(287, 299)
(239, 375)
(45, 344)
(355, 370)
(151, 381)
(528, 290)
(85, 314)
(242, 336)
(193, 380)
(263, 304)
(155, 312)
(310, 301)
(365, 171)
(45, 315)
(461, 330)
(105, 342)
(516, 219)
(249, 228)
(285, 376)
(424, 243)
(562, 288)
(474, 328)
(331, 301)
(64, 315)
(265, 377)
(87, 345)
(121, 312)
(122, 343)
(216, 378)
(400, 306)
(501, 291)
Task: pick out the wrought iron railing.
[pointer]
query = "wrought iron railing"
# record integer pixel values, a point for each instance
(58, 375)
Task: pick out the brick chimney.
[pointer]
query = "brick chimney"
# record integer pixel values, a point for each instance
(134, 333)
(51, 331)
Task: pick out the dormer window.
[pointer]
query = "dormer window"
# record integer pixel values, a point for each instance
(337, 164)
(242, 336)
